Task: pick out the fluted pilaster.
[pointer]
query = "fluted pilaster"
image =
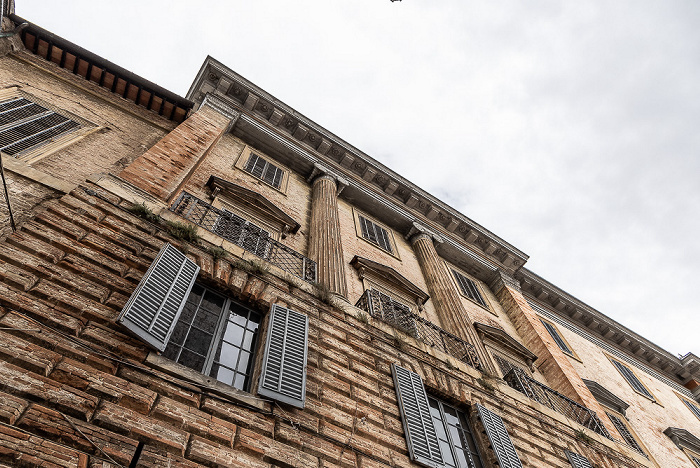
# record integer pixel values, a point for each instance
(453, 315)
(325, 246)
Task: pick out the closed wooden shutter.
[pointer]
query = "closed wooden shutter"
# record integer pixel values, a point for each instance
(499, 438)
(283, 376)
(578, 461)
(153, 309)
(421, 438)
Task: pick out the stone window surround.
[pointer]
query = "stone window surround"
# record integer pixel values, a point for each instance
(653, 398)
(243, 158)
(390, 232)
(45, 149)
(573, 354)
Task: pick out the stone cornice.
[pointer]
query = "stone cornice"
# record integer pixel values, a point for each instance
(332, 151)
(606, 397)
(683, 439)
(607, 329)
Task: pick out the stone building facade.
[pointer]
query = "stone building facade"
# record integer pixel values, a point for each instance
(217, 280)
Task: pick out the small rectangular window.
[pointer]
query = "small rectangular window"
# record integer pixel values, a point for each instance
(696, 460)
(632, 379)
(264, 170)
(557, 338)
(506, 366)
(625, 433)
(692, 407)
(375, 234)
(578, 461)
(25, 125)
(469, 288)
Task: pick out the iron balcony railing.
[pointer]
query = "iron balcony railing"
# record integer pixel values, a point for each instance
(244, 234)
(400, 316)
(556, 401)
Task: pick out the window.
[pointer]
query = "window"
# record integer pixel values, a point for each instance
(506, 366)
(25, 124)
(695, 459)
(469, 288)
(264, 170)
(438, 434)
(578, 461)
(243, 233)
(624, 431)
(375, 234)
(454, 435)
(692, 407)
(390, 310)
(632, 379)
(215, 336)
(557, 338)
(207, 332)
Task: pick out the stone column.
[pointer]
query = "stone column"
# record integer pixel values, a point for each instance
(325, 245)
(444, 294)
(553, 363)
(165, 168)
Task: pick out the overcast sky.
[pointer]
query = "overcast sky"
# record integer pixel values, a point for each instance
(570, 129)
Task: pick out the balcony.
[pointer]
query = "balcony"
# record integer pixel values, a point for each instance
(244, 234)
(556, 401)
(400, 316)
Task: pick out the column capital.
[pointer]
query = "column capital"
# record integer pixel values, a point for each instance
(221, 106)
(320, 171)
(419, 231)
(501, 279)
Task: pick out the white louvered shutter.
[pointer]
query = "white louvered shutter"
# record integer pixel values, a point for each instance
(421, 438)
(499, 438)
(578, 461)
(283, 376)
(153, 309)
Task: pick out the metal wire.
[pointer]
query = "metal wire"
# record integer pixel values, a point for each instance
(398, 315)
(556, 401)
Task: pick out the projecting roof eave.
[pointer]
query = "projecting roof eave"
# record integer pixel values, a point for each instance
(271, 116)
(603, 327)
(102, 72)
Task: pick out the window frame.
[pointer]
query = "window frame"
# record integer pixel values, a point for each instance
(218, 337)
(457, 276)
(468, 430)
(47, 147)
(614, 416)
(243, 161)
(692, 406)
(547, 324)
(648, 394)
(390, 240)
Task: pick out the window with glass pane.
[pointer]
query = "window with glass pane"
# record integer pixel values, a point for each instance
(375, 234)
(506, 366)
(215, 336)
(557, 337)
(455, 436)
(264, 170)
(469, 289)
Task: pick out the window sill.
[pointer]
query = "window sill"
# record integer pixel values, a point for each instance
(209, 383)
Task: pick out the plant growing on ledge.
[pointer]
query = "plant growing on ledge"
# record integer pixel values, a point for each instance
(581, 435)
(486, 381)
(217, 252)
(252, 267)
(324, 293)
(144, 212)
(362, 317)
(182, 231)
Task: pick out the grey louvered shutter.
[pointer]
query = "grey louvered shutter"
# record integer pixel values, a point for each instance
(578, 461)
(153, 309)
(499, 438)
(283, 376)
(421, 438)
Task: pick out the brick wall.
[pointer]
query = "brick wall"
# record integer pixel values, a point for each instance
(70, 374)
